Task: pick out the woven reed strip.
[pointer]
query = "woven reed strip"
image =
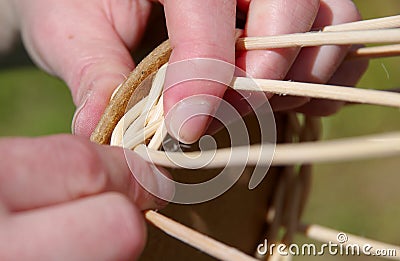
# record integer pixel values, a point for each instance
(117, 106)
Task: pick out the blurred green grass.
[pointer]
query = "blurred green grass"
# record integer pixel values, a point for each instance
(360, 197)
(33, 103)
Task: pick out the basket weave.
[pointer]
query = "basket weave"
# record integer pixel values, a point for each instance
(248, 217)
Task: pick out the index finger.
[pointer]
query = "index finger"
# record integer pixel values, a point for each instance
(197, 29)
(51, 170)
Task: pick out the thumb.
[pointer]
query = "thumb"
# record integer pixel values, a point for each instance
(86, 44)
(94, 91)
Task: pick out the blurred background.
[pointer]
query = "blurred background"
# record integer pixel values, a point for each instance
(359, 197)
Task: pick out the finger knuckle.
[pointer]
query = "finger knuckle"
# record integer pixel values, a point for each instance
(88, 173)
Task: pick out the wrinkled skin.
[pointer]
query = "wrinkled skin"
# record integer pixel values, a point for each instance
(87, 44)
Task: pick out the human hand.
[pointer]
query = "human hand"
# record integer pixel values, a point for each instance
(65, 198)
(87, 44)
(206, 29)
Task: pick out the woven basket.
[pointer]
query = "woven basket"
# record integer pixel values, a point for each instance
(241, 218)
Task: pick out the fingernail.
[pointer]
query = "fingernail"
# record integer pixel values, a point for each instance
(74, 125)
(327, 61)
(153, 187)
(188, 119)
